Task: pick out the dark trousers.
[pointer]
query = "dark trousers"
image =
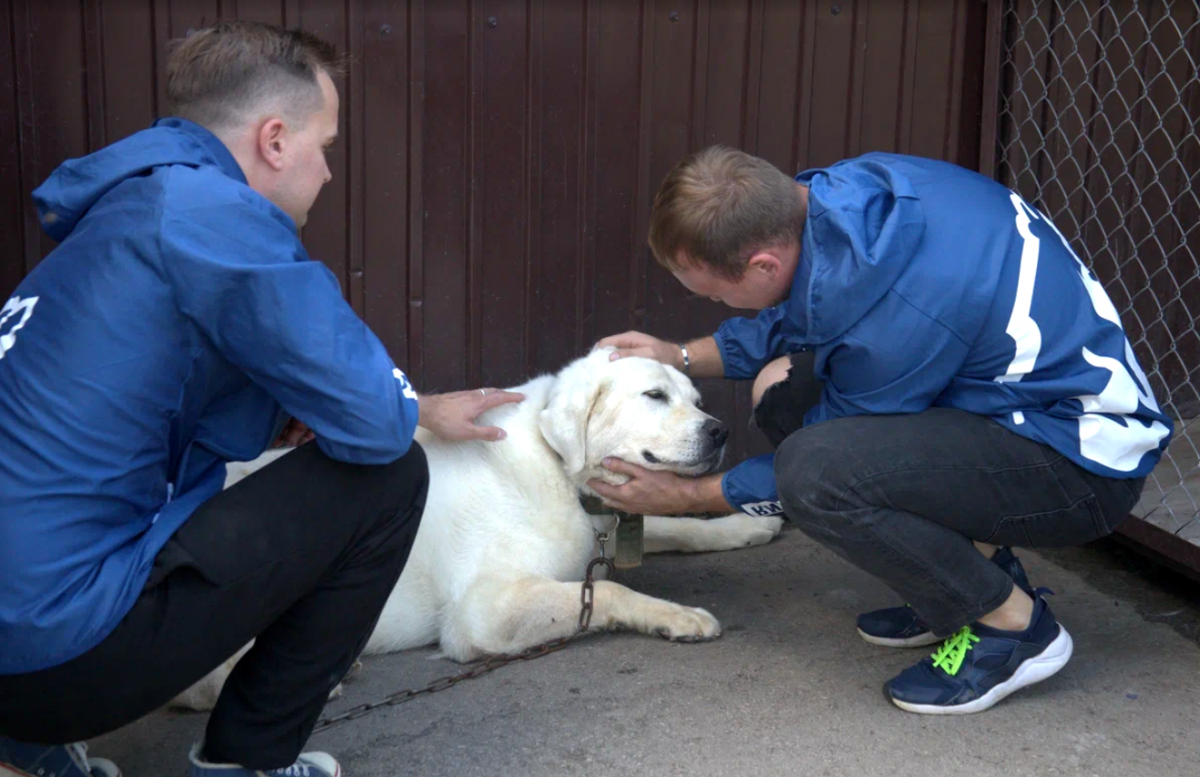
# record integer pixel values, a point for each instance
(902, 497)
(301, 556)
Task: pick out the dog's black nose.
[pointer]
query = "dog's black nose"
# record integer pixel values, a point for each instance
(716, 431)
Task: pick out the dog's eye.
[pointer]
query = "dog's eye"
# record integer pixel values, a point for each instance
(656, 394)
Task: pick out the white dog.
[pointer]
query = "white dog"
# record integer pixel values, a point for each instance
(504, 541)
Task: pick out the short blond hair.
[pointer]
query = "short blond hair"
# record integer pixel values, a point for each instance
(218, 76)
(720, 205)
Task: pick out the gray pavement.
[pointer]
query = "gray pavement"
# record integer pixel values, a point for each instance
(788, 690)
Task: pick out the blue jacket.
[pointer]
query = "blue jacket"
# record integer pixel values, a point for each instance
(921, 284)
(174, 328)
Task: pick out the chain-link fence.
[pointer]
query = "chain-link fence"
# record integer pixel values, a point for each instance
(1098, 112)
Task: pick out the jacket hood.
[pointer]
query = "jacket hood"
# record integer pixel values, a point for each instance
(864, 225)
(77, 184)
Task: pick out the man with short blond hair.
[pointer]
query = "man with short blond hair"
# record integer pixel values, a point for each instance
(179, 325)
(939, 374)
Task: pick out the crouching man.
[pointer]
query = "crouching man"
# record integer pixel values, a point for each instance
(943, 378)
(179, 325)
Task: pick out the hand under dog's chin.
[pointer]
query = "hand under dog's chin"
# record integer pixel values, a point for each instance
(598, 472)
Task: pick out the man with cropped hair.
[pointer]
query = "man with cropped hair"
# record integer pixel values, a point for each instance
(179, 325)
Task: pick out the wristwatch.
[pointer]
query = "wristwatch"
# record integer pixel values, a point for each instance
(687, 363)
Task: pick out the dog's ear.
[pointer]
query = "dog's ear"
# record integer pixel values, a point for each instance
(576, 394)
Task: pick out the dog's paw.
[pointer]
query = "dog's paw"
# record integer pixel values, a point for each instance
(687, 624)
(743, 531)
(336, 692)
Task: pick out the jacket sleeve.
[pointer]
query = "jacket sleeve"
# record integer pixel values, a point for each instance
(750, 486)
(747, 344)
(246, 281)
(879, 369)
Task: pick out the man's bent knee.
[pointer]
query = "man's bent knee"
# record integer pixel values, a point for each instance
(783, 393)
(775, 372)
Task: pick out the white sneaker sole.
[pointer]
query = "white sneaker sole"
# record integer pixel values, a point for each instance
(1032, 670)
(921, 640)
(103, 764)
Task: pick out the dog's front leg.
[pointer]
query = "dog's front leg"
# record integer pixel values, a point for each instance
(507, 617)
(696, 535)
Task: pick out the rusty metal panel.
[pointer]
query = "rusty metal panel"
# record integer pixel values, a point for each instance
(499, 158)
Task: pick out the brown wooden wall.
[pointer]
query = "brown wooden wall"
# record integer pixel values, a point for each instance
(489, 207)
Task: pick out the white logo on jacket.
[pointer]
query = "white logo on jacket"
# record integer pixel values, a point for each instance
(12, 308)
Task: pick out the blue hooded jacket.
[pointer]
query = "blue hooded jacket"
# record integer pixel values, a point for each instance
(922, 284)
(176, 326)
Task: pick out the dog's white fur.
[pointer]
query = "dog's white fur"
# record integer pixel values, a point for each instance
(504, 542)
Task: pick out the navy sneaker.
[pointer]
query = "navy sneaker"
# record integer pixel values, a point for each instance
(978, 666)
(902, 627)
(307, 765)
(18, 759)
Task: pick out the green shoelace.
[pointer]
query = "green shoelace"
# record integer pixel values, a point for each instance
(950, 655)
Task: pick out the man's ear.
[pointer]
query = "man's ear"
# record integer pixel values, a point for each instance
(766, 263)
(271, 141)
(564, 422)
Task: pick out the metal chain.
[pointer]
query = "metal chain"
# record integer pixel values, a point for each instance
(587, 599)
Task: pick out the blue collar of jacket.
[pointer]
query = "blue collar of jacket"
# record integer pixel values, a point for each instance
(208, 142)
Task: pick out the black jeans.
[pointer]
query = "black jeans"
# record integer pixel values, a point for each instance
(902, 497)
(302, 555)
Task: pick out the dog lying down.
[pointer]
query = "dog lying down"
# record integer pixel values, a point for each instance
(504, 542)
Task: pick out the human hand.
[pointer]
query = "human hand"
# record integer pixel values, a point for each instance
(452, 416)
(294, 434)
(639, 344)
(648, 492)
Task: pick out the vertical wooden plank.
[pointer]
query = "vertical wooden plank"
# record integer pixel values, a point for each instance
(957, 66)
(353, 134)
(160, 25)
(781, 40)
(620, 95)
(266, 11)
(535, 116)
(127, 68)
(990, 105)
(416, 199)
(13, 201)
(933, 89)
(501, 206)
(93, 74)
(382, 140)
(474, 225)
(561, 45)
(445, 182)
(802, 156)
(885, 82)
(327, 233)
(908, 80)
(702, 13)
(51, 93)
(722, 80)
(832, 83)
(859, 12)
(753, 89)
(648, 122)
(585, 321)
(669, 128)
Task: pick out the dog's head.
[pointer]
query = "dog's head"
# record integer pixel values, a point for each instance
(633, 409)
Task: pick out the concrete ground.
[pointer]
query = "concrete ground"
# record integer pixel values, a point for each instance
(789, 689)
